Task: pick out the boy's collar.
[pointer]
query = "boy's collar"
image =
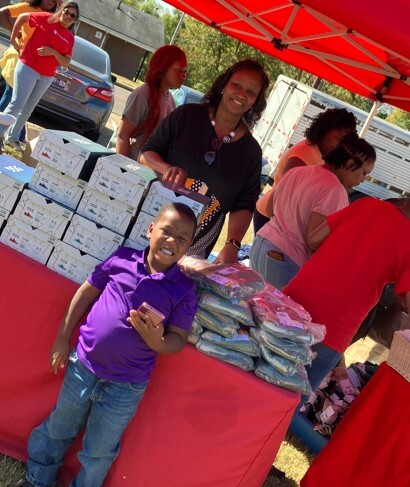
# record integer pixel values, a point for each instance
(173, 273)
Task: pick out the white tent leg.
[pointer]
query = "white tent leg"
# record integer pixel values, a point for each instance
(369, 118)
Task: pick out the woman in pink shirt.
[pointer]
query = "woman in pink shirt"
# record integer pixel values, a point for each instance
(303, 199)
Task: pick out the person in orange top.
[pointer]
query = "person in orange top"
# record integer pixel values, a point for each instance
(322, 136)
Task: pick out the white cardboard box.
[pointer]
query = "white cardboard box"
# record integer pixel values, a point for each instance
(133, 245)
(14, 177)
(4, 214)
(163, 192)
(91, 238)
(68, 152)
(40, 212)
(58, 186)
(28, 240)
(138, 232)
(109, 213)
(71, 262)
(122, 178)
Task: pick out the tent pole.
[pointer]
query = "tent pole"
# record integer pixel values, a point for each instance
(369, 118)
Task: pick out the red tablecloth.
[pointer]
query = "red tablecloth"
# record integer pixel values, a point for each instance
(371, 446)
(201, 422)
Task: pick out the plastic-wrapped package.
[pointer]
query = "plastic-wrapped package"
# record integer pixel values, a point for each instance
(273, 319)
(281, 364)
(296, 352)
(298, 382)
(189, 264)
(238, 309)
(214, 323)
(193, 338)
(242, 342)
(231, 281)
(230, 356)
(274, 296)
(228, 320)
(196, 328)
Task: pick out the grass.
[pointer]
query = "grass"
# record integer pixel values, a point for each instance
(293, 458)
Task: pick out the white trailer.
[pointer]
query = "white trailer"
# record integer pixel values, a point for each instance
(290, 110)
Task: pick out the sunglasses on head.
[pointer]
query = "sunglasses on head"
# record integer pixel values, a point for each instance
(70, 14)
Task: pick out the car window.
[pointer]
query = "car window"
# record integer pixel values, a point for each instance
(178, 95)
(186, 95)
(93, 58)
(193, 97)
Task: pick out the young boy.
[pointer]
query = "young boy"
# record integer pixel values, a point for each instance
(109, 369)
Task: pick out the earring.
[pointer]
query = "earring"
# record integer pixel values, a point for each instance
(222, 92)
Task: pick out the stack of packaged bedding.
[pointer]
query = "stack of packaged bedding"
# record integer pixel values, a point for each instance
(221, 325)
(285, 334)
(248, 323)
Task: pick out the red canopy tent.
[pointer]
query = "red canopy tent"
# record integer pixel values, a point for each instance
(360, 45)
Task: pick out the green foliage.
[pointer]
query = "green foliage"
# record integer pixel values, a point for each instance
(400, 118)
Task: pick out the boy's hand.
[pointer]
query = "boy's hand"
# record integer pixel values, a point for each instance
(152, 335)
(59, 354)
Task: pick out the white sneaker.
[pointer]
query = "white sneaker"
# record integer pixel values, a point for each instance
(6, 119)
(15, 145)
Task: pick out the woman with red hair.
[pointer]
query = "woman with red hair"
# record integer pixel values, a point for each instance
(151, 102)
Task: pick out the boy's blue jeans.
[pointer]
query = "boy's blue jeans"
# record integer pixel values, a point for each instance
(103, 407)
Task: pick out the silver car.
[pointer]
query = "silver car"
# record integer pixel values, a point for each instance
(82, 95)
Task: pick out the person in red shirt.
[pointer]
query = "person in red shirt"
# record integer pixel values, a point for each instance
(360, 249)
(50, 45)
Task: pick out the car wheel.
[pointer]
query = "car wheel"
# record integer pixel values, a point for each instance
(92, 135)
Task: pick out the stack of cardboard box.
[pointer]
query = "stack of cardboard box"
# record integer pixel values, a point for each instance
(83, 201)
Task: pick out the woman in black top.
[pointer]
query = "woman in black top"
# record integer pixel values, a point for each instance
(211, 143)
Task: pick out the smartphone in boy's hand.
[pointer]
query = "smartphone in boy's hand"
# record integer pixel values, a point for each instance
(156, 316)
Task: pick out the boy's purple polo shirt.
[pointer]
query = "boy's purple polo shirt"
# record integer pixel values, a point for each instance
(108, 345)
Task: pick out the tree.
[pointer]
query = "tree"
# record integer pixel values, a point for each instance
(400, 118)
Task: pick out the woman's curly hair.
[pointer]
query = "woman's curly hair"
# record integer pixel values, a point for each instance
(324, 122)
(213, 97)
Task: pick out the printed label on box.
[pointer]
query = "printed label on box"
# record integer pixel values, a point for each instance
(8, 197)
(40, 212)
(4, 214)
(122, 179)
(31, 242)
(14, 173)
(109, 213)
(68, 152)
(59, 187)
(71, 262)
(91, 238)
(139, 231)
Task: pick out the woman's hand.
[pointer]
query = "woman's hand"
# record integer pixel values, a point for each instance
(227, 255)
(45, 51)
(176, 175)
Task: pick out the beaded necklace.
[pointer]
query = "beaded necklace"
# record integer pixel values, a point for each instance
(227, 138)
(216, 144)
